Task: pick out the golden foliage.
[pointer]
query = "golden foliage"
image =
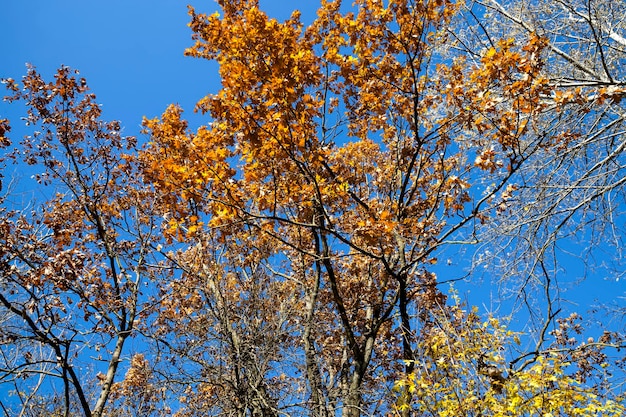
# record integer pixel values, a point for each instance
(462, 370)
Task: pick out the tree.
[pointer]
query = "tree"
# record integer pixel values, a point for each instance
(569, 194)
(73, 266)
(280, 260)
(463, 370)
(342, 155)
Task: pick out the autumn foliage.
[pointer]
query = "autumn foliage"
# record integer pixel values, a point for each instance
(280, 259)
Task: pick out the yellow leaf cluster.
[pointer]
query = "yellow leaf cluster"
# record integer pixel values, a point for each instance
(462, 371)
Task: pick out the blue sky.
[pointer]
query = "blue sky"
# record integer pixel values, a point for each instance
(131, 52)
